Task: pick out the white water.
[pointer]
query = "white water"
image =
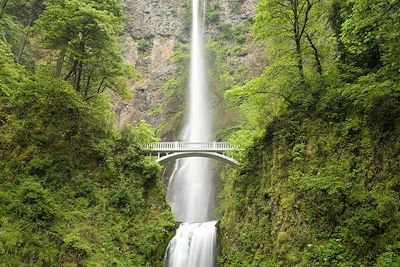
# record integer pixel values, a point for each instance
(193, 245)
(191, 188)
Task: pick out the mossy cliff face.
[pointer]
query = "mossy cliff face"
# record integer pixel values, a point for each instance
(316, 191)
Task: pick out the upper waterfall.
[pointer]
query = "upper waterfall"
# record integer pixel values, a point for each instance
(191, 188)
(199, 123)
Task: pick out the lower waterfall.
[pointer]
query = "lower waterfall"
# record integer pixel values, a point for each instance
(193, 245)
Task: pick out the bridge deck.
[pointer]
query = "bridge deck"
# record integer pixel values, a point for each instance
(167, 147)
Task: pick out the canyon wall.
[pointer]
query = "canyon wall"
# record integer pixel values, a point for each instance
(156, 41)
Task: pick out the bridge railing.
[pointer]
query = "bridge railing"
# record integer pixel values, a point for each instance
(191, 146)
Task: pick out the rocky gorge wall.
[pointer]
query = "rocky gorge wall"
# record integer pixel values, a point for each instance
(156, 41)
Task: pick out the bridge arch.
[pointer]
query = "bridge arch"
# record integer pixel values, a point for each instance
(203, 154)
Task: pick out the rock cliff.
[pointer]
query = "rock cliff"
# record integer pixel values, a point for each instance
(153, 33)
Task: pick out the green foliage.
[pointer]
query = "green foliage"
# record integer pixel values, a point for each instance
(174, 91)
(222, 75)
(235, 5)
(328, 181)
(330, 253)
(75, 191)
(10, 75)
(84, 36)
(144, 45)
(283, 237)
(234, 33)
(33, 204)
(318, 185)
(391, 258)
(212, 15)
(373, 25)
(335, 204)
(13, 27)
(239, 51)
(187, 15)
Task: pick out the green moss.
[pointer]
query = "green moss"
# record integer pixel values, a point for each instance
(235, 5)
(239, 51)
(328, 194)
(212, 15)
(174, 93)
(234, 33)
(144, 44)
(283, 237)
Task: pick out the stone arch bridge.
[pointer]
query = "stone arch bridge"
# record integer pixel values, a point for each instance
(169, 151)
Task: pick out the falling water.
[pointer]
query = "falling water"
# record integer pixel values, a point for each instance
(190, 190)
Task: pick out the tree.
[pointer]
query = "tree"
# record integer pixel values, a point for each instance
(10, 74)
(370, 39)
(297, 26)
(84, 37)
(373, 28)
(22, 43)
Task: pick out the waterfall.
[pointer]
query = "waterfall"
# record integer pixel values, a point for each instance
(194, 245)
(191, 192)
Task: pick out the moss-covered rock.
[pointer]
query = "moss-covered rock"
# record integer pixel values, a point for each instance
(314, 194)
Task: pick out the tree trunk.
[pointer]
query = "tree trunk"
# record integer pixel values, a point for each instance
(72, 71)
(3, 8)
(87, 86)
(297, 39)
(80, 67)
(316, 55)
(24, 36)
(60, 62)
(79, 77)
(299, 58)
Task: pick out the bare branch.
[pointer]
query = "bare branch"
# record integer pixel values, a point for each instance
(309, 6)
(302, 6)
(316, 54)
(280, 27)
(72, 70)
(100, 89)
(24, 4)
(282, 4)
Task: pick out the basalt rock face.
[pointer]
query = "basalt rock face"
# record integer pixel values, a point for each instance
(237, 11)
(147, 19)
(152, 30)
(153, 33)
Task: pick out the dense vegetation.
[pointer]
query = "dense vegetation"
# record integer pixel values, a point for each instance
(320, 183)
(74, 190)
